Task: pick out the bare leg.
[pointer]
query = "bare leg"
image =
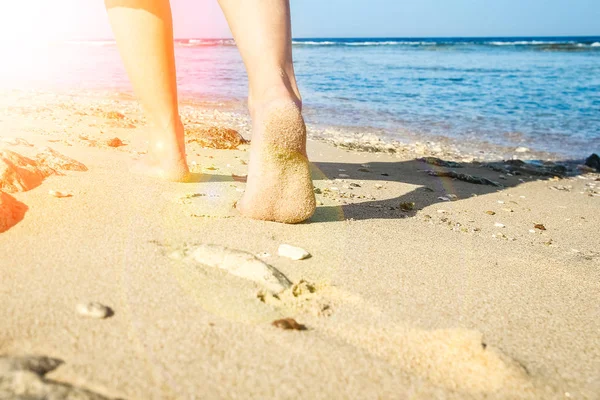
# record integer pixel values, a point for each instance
(144, 33)
(279, 184)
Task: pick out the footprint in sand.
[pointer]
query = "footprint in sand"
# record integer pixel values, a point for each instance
(454, 359)
(238, 286)
(237, 263)
(217, 200)
(24, 378)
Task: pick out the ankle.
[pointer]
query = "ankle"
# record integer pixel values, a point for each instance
(279, 90)
(169, 139)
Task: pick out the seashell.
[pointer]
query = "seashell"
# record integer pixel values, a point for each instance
(293, 253)
(94, 310)
(58, 194)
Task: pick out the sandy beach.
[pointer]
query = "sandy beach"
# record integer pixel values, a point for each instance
(418, 286)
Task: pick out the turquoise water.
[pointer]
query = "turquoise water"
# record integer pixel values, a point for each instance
(543, 93)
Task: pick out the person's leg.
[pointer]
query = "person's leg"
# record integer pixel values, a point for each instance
(144, 33)
(279, 184)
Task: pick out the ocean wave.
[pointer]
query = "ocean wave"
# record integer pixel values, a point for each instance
(535, 44)
(526, 43)
(365, 43)
(313, 43)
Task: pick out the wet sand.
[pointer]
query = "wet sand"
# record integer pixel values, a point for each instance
(417, 286)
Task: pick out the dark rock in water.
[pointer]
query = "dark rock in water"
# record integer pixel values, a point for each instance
(440, 163)
(24, 378)
(593, 161)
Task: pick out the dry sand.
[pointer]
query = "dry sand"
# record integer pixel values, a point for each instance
(441, 299)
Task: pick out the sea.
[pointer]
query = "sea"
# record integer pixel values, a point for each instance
(539, 92)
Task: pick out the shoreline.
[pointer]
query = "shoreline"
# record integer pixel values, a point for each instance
(359, 138)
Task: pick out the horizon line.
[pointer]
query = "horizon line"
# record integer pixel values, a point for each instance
(379, 37)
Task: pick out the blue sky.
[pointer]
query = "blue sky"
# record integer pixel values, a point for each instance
(445, 17)
(327, 18)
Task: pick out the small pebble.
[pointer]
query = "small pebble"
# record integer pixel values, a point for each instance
(499, 225)
(94, 310)
(378, 186)
(293, 253)
(115, 142)
(289, 324)
(407, 206)
(58, 194)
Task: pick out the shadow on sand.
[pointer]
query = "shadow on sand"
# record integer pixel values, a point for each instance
(426, 184)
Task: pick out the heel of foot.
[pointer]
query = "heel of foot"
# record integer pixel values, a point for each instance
(279, 181)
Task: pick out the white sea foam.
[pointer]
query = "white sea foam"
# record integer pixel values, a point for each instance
(523, 43)
(596, 44)
(313, 43)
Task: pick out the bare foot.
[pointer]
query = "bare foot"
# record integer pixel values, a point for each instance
(279, 184)
(165, 158)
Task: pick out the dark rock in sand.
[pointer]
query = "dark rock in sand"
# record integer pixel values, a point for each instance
(23, 378)
(440, 163)
(464, 177)
(214, 137)
(593, 161)
(534, 168)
